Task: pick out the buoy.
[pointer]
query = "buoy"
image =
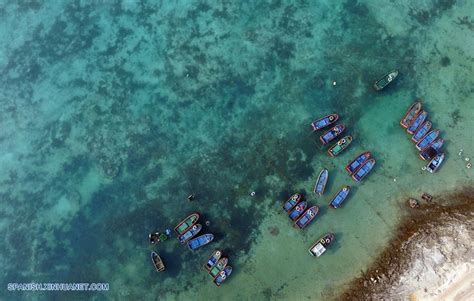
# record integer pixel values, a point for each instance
(468, 165)
(252, 193)
(334, 83)
(394, 179)
(467, 159)
(423, 168)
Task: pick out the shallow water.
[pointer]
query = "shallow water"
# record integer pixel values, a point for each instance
(112, 114)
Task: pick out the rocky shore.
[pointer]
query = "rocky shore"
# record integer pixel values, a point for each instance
(431, 257)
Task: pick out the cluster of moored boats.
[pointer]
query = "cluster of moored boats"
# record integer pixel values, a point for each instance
(218, 268)
(427, 141)
(332, 133)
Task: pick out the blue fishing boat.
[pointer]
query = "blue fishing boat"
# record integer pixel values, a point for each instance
(363, 170)
(321, 182)
(307, 217)
(332, 133)
(292, 201)
(410, 114)
(421, 132)
(339, 197)
(419, 119)
(324, 122)
(427, 140)
(215, 256)
(432, 150)
(296, 212)
(435, 163)
(355, 164)
(223, 275)
(200, 241)
(190, 233)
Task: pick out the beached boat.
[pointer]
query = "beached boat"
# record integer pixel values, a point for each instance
(341, 145)
(211, 262)
(355, 164)
(417, 122)
(332, 133)
(324, 122)
(339, 197)
(410, 114)
(431, 151)
(200, 241)
(320, 246)
(307, 217)
(292, 201)
(321, 182)
(435, 163)
(223, 275)
(363, 170)
(298, 210)
(187, 223)
(190, 233)
(385, 80)
(427, 140)
(157, 262)
(421, 132)
(218, 267)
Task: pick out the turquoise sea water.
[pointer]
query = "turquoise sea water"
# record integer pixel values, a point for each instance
(111, 113)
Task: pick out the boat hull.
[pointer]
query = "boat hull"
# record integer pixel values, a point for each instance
(223, 276)
(320, 246)
(157, 262)
(435, 163)
(417, 122)
(213, 259)
(427, 140)
(193, 231)
(432, 150)
(324, 122)
(292, 202)
(332, 133)
(187, 223)
(385, 80)
(307, 217)
(364, 169)
(221, 264)
(200, 241)
(410, 114)
(298, 210)
(321, 182)
(341, 145)
(340, 197)
(421, 132)
(355, 164)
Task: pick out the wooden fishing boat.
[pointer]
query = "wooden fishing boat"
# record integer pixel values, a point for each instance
(417, 122)
(223, 275)
(434, 164)
(157, 262)
(324, 122)
(190, 233)
(218, 267)
(213, 259)
(292, 201)
(298, 210)
(332, 133)
(363, 170)
(410, 114)
(421, 132)
(427, 140)
(306, 218)
(355, 164)
(320, 246)
(341, 145)
(187, 223)
(200, 241)
(431, 151)
(321, 182)
(385, 80)
(339, 197)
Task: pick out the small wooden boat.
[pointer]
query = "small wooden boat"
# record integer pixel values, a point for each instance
(385, 80)
(218, 267)
(321, 182)
(200, 241)
(341, 145)
(332, 133)
(223, 275)
(434, 164)
(305, 219)
(339, 197)
(417, 122)
(157, 262)
(432, 150)
(211, 262)
(355, 164)
(187, 223)
(410, 114)
(298, 210)
(421, 132)
(363, 170)
(320, 246)
(427, 140)
(292, 201)
(190, 233)
(324, 122)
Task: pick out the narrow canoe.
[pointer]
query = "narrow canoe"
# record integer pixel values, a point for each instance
(421, 132)
(339, 197)
(432, 150)
(355, 164)
(200, 241)
(385, 80)
(307, 217)
(292, 201)
(187, 223)
(324, 122)
(417, 122)
(157, 262)
(410, 114)
(332, 133)
(341, 145)
(427, 140)
(218, 267)
(190, 233)
(298, 210)
(320, 246)
(321, 182)
(434, 164)
(213, 259)
(363, 170)
(223, 275)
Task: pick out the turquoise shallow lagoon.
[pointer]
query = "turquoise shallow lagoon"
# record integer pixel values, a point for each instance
(111, 113)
